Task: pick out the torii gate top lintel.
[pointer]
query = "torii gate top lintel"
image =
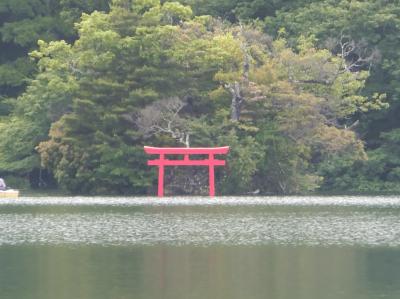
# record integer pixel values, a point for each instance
(186, 151)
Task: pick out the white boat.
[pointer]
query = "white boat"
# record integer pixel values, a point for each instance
(11, 193)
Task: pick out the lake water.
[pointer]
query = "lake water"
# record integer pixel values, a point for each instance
(172, 248)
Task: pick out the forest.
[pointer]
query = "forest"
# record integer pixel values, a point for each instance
(305, 93)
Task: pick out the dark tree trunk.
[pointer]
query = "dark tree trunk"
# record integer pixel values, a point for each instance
(237, 101)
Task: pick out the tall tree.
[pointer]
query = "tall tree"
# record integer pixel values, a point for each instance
(373, 28)
(22, 24)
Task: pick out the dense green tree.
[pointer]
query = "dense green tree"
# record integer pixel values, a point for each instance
(153, 73)
(245, 10)
(46, 99)
(22, 24)
(380, 174)
(119, 67)
(371, 29)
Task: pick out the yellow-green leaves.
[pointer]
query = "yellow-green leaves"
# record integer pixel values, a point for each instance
(141, 6)
(174, 12)
(282, 110)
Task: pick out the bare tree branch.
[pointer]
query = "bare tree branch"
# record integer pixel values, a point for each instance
(356, 55)
(163, 117)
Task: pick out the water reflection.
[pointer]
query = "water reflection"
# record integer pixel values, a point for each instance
(193, 272)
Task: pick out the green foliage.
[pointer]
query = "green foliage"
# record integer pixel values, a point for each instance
(22, 24)
(94, 148)
(19, 138)
(243, 162)
(25, 22)
(379, 174)
(234, 10)
(17, 182)
(372, 25)
(88, 106)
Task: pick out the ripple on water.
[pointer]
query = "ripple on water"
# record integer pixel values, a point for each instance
(294, 224)
(380, 201)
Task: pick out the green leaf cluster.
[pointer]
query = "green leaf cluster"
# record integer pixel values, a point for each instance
(88, 106)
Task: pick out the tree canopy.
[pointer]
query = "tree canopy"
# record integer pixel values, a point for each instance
(291, 88)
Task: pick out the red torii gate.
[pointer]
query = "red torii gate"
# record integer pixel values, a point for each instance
(186, 152)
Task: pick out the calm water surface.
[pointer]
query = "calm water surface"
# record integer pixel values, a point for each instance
(276, 247)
